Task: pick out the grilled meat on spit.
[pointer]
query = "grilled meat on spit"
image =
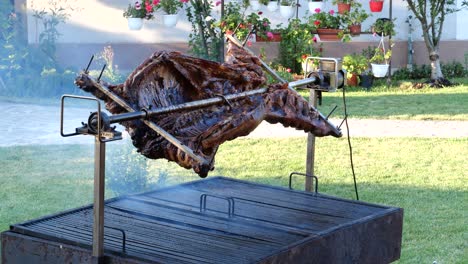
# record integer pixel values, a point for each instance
(170, 78)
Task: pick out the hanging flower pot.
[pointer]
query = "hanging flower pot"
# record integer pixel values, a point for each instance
(343, 8)
(375, 6)
(134, 23)
(287, 11)
(255, 5)
(329, 34)
(314, 5)
(379, 70)
(170, 20)
(272, 6)
(355, 30)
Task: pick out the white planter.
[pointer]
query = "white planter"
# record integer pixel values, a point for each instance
(170, 20)
(272, 6)
(315, 5)
(379, 70)
(287, 11)
(255, 5)
(134, 23)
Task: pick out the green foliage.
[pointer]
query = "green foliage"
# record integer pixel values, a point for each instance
(418, 72)
(283, 72)
(137, 11)
(355, 64)
(170, 7)
(381, 56)
(297, 44)
(235, 21)
(324, 19)
(111, 73)
(356, 16)
(204, 41)
(384, 26)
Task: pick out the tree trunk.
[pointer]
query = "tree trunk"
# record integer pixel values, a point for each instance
(436, 71)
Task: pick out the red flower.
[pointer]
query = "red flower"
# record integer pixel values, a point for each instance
(317, 22)
(332, 12)
(155, 2)
(149, 8)
(288, 70)
(260, 13)
(249, 43)
(184, 1)
(314, 39)
(304, 56)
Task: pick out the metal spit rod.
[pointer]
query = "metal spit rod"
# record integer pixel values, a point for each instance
(152, 125)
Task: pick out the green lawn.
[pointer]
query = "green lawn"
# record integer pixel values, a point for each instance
(381, 103)
(426, 177)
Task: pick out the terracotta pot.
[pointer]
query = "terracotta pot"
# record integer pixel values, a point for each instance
(328, 34)
(376, 6)
(343, 8)
(353, 80)
(355, 30)
(276, 38)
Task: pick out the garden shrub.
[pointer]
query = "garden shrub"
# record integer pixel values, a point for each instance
(450, 70)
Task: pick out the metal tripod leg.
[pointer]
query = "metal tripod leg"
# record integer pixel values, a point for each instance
(98, 207)
(313, 97)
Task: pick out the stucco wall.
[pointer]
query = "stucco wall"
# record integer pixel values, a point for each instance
(101, 21)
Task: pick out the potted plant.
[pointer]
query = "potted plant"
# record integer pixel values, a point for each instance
(376, 5)
(344, 6)
(354, 64)
(366, 79)
(298, 43)
(383, 27)
(287, 8)
(170, 9)
(314, 4)
(136, 13)
(328, 25)
(380, 60)
(261, 27)
(355, 18)
(233, 21)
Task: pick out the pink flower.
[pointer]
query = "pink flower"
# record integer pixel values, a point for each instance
(317, 22)
(265, 24)
(249, 43)
(332, 12)
(155, 2)
(269, 35)
(288, 70)
(218, 3)
(137, 5)
(184, 1)
(149, 8)
(314, 39)
(317, 10)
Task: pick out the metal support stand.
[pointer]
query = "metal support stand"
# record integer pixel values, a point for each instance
(98, 206)
(313, 97)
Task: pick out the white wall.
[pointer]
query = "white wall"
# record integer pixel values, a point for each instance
(101, 21)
